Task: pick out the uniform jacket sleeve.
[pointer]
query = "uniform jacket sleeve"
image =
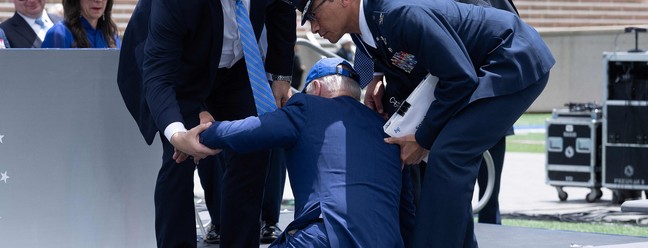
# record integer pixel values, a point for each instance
(439, 50)
(279, 128)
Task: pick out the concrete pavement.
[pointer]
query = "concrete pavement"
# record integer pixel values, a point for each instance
(524, 193)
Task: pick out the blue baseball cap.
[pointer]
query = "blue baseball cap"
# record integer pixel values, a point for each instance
(331, 66)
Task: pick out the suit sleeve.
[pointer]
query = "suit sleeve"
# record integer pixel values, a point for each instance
(162, 57)
(280, 128)
(281, 30)
(439, 49)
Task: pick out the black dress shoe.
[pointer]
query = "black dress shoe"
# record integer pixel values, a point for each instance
(269, 233)
(212, 237)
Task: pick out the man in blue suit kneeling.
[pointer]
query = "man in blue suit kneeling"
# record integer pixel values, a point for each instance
(345, 178)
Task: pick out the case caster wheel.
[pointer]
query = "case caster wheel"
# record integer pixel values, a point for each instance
(599, 193)
(634, 194)
(562, 195)
(594, 195)
(621, 195)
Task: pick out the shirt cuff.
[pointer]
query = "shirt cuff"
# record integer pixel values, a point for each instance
(378, 74)
(173, 128)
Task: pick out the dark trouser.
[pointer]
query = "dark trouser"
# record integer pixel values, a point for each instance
(444, 217)
(175, 224)
(244, 175)
(416, 173)
(274, 188)
(407, 209)
(490, 213)
(242, 194)
(211, 180)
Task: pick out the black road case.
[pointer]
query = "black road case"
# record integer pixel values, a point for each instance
(625, 125)
(625, 164)
(574, 151)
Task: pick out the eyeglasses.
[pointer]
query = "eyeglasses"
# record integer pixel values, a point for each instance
(310, 16)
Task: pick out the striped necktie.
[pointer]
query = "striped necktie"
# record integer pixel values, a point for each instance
(263, 97)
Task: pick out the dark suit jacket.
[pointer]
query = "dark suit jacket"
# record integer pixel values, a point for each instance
(171, 51)
(340, 168)
(476, 52)
(20, 34)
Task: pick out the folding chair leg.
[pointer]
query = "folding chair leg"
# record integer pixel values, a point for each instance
(200, 223)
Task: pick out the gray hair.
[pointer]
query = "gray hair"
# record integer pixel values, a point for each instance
(339, 86)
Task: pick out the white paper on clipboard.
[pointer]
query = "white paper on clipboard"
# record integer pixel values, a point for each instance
(410, 114)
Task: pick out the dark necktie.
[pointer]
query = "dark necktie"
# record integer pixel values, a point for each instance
(263, 97)
(365, 68)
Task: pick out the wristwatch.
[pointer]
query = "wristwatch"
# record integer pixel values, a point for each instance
(280, 77)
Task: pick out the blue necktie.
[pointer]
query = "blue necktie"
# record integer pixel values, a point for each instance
(40, 22)
(263, 97)
(365, 68)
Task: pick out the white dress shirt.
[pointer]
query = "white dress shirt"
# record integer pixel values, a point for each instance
(40, 32)
(232, 48)
(365, 32)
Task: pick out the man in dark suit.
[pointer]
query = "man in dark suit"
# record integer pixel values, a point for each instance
(491, 67)
(29, 24)
(175, 55)
(343, 198)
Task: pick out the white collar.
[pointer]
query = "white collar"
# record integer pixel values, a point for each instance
(365, 32)
(31, 21)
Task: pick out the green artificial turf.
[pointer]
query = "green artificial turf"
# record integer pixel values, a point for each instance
(524, 141)
(591, 227)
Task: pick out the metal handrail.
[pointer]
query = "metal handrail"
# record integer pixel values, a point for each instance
(316, 48)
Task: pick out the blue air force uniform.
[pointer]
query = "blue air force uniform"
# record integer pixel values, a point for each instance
(491, 67)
